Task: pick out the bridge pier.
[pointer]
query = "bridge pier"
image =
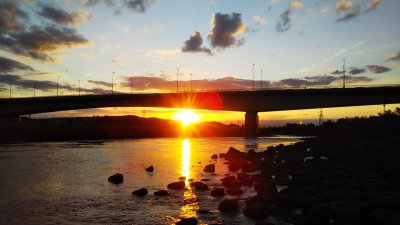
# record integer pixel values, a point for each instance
(251, 124)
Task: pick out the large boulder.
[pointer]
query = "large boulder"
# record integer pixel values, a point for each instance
(161, 193)
(116, 178)
(210, 168)
(176, 185)
(150, 169)
(199, 185)
(255, 210)
(218, 192)
(140, 192)
(229, 206)
(187, 221)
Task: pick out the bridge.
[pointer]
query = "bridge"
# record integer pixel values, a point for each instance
(250, 102)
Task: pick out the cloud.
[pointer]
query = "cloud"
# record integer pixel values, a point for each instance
(325, 10)
(117, 62)
(100, 83)
(347, 10)
(138, 5)
(395, 57)
(378, 69)
(224, 30)
(11, 16)
(193, 44)
(344, 4)
(62, 17)
(321, 80)
(9, 65)
(164, 54)
(37, 42)
(134, 5)
(372, 5)
(260, 20)
(337, 72)
(355, 71)
(285, 22)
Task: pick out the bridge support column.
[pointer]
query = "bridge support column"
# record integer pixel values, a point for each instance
(251, 124)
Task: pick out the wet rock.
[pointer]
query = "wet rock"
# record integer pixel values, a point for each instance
(198, 186)
(222, 155)
(203, 211)
(214, 156)
(234, 191)
(256, 210)
(187, 221)
(209, 168)
(176, 185)
(116, 178)
(218, 192)
(205, 179)
(229, 206)
(161, 193)
(182, 178)
(140, 192)
(150, 169)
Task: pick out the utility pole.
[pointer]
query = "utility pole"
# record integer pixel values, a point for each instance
(261, 80)
(321, 118)
(344, 73)
(253, 76)
(112, 83)
(79, 87)
(191, 83)
(177, 87)
(58, 77)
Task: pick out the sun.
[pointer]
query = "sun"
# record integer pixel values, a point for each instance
(186, 117)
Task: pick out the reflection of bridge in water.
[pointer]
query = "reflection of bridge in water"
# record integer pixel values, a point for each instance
(250, 102)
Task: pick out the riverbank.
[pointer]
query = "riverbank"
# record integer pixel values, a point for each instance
(328, 181)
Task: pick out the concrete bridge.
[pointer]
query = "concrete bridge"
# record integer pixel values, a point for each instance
(250, 102)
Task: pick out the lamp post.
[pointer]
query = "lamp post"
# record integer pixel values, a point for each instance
(177, 87)
(112, 83)
(58, 77)
(261, 80)
(253, 76)
(344, 73)
(79, 87)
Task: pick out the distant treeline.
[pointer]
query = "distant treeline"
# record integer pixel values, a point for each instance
(109, 127)
(382, 125)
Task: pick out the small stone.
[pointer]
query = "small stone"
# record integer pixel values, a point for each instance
(140, 192)
(229, 206)
(150, 169)
(210, 168)
(161, 193)
(116, 178)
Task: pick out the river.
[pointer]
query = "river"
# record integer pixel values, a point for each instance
(66, 182)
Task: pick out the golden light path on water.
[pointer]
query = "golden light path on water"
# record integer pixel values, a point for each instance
(190, 205)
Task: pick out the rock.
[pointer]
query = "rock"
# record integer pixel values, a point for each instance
(229, 206)
(161, 193)
(214, 156)
(176, 185)
(198, 186)
(187, 221)
(116, 178)
(222, 155)
(140, 192)
(210, 168)
(256, 210)
(182, 178)
(234, 191)
(205, 179)
(218, 192)
(203, 211)
(150, 169)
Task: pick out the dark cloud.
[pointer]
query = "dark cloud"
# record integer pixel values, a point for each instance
(317, 81)
(355, 71)
(193, 44)
(224, 29)
(134, 5)
(62, 17)
(337, 72)
(378, 69)
(38, 42)
(45, 85)
(292, 82)
(395, 58)
(138, 5)
(357, 79)
(321, 80)
(11, 16)
(284, 22)
(101, 83)
(9, 65)
(109, 3)
(347, 11)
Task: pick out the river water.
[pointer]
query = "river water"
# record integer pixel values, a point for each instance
(66, 182)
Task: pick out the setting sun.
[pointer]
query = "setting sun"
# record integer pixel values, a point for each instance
(187, 117)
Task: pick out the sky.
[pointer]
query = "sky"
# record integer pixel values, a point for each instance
(144, 45)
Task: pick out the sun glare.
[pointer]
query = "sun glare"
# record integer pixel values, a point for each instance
(187, 117)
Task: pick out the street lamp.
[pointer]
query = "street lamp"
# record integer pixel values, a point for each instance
(261, 79)
(253, 76)
(112, 83)
(58, 77)
(177, 87)
(344, 73)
